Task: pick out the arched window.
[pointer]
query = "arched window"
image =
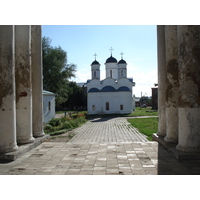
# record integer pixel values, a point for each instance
(121, 72)
(110, 73)
(95, 74)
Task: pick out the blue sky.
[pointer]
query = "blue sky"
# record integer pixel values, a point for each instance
(137, 42)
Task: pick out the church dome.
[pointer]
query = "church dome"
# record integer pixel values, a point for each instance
(111, 60)
(122, 61)
(95, 63)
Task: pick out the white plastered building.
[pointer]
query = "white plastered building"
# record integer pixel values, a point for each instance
(113, 95)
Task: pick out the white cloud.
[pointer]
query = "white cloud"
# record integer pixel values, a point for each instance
(82, 75)
(144, 79)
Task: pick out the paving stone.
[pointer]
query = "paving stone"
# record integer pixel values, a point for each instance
(99, 172)
(73, 172)
(94, 151)
(139, 172)
(119, 131)
(100, 164)
(101, 159)
(86, 172)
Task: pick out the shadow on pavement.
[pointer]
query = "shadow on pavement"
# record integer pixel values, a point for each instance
(169, 165)
(99, 119)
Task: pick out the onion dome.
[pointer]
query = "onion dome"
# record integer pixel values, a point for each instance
(111, 60)
(95, 63)
(122, 61)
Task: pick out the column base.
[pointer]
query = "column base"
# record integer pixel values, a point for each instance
(171, 148)
(8, 150)
(38, 134)
(172, 140)
(22, 149)
(188, 149)
(161, 134)
(25, 141)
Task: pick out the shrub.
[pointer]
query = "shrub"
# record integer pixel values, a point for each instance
(82, 119)
(74, 123)
(65, 118)
(74, 116)
(55, 122)
(58, 132)
(67, 125)
(60, 125)
(48, 128)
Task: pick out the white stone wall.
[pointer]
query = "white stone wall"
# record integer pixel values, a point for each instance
(95, 69)
(93, 84)
(48, 114)
(124, 82)
(122, 71)
(97, 102)
(109, 82)
(114, 68)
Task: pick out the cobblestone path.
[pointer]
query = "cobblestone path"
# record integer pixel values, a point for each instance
(100, 147)
(107, 130)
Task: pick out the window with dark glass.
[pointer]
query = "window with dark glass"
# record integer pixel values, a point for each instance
(49, 105)
(107, 105)
(93, 107)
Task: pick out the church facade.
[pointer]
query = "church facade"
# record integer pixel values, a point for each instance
(113, 95)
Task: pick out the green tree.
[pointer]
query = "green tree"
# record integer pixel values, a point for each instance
(77, 98)
(56, 71)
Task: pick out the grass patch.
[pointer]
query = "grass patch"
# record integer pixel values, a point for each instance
(147, 126)
(138, 112)
(143, 112)
(64, 124)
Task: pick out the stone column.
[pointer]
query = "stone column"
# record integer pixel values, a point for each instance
(172, 84)
(161, 80)
(7, 90)
(189, 102)
(23, 84)
(37, 81)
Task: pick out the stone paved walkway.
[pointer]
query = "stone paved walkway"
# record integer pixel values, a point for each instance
(107, 130)
(108, 149)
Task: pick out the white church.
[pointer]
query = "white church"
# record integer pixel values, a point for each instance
(113, 95)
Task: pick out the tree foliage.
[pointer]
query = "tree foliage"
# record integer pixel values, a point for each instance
(56, 71)
(77, 98)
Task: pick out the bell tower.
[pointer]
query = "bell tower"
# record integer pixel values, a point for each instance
(122, 70)
(95, 69)
(111, 67)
